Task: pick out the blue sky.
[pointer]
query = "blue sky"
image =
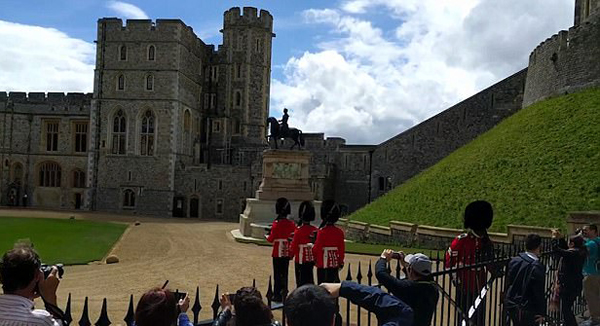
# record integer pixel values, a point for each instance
(364, 70)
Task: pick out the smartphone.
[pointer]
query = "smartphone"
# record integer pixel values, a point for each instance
(179, 296)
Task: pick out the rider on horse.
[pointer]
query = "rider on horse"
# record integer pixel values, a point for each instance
(284, 123)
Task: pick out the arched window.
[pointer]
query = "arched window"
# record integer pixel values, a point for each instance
(49, 174)
(187, 131)
(119, 133)
(149, 82)
(78, 179)
(17, 173)
(123, 53)
(121, 83)
(238, 98)
(147, 134)
(128, 198)
(151, 52)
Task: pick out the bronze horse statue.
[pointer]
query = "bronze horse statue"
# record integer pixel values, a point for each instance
(293, 134)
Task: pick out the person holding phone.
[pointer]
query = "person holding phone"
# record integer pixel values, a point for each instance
(280, 234)
(160, 307)
(302, 246)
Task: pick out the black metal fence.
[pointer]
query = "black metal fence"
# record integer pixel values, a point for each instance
(447, 311)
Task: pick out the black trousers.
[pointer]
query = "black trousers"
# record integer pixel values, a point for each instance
(280, 276)
(566, 308)
(465, 300)
(304, 274)
(522, 318)
(328, 275)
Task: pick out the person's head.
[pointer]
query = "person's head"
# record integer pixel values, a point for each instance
(310, 305)
(285, 110)
(590, 231)
(576, 241)
(156, 307)
(330, 212)
(250, 309)
(306, 212)
(283, 207)
(419, 266)
(20, 271)
(478, 216)
(533, 243)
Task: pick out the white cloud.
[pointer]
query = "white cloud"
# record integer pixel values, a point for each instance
(34, 58)
(127, 10)
(367, 83)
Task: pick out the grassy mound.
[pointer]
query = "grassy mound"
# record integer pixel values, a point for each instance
(534, 167)
(60, 240)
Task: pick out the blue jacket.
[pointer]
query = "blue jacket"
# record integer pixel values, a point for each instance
(390, 311)
(593, 253)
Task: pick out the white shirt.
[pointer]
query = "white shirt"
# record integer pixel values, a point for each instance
(16, 310)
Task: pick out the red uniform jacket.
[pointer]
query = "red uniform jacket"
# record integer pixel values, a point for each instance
(281, 231)
(329, 247)
(300, 250)
(466, 249)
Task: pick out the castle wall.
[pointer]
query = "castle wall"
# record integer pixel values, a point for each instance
(565, 62)
(404, 156)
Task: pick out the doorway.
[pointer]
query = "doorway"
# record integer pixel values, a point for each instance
(178, 206)
(77, 201)
(194, 207)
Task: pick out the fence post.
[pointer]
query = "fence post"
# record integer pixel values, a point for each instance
(269, 293)
(197, 307)
(130, 316)
(68, 318)
(348, 278)
(358, 280)
(215, 304)
(370, 282)
(103, 319)
(85, 319)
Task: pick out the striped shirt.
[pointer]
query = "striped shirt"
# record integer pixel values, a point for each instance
(16, 310)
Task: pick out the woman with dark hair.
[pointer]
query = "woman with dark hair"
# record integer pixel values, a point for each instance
(250, 310)
(280, 235)
(570, 277)
(302, 247)
(158, 307)
(329, 248)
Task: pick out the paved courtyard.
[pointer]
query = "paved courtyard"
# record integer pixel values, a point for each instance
(186, 252)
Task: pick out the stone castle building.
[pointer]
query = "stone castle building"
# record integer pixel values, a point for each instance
(176, 127)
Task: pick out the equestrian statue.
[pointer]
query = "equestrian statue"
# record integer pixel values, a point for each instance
(284, 131)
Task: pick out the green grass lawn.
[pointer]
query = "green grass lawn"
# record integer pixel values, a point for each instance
(534, 167)
(61, 240)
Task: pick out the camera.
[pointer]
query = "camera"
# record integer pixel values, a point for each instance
(179, 296)
(397, 255)
(46, 269)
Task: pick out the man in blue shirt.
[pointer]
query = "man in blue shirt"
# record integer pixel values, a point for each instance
(591, 279)
(311, 305)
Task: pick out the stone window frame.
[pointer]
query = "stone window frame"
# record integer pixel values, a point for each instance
(237, 98)
(50, 142)
(78, 178)
(120, 82)
(13, 172)
(216, 126)
(219, 184)
(236, 127)
(122, 52)
(80, 137)
(237, 71)
(121, 133)
(129, 198)
(149, 82)
(219, 206)
(186, 135)
(148, 148)
(151, 51)
(49, 174)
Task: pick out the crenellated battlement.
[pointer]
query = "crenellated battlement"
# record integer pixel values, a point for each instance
(248, 16)
(564, 62)
(53, 98)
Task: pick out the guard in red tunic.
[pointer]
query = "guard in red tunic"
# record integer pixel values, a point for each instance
(470, 248)
(280, 234)
(302, 246)
(329, 246)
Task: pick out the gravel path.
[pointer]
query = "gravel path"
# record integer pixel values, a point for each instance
(186, 252)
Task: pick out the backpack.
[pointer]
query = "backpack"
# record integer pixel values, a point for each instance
(515, 295)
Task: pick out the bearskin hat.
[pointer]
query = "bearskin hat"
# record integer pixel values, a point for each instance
(283, 207)
(478, 215)
(306, 212)
(330, 211)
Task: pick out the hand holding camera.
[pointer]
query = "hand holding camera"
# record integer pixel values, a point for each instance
(48, 285)
(226, 301)
(184, 303)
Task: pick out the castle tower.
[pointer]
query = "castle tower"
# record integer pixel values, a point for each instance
(247, 40)
(584, 9)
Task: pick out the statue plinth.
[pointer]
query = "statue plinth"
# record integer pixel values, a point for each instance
(285, 174)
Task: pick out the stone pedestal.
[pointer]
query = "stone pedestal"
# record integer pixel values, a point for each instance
(285, 174)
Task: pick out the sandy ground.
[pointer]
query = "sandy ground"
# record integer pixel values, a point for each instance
(188, 253)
